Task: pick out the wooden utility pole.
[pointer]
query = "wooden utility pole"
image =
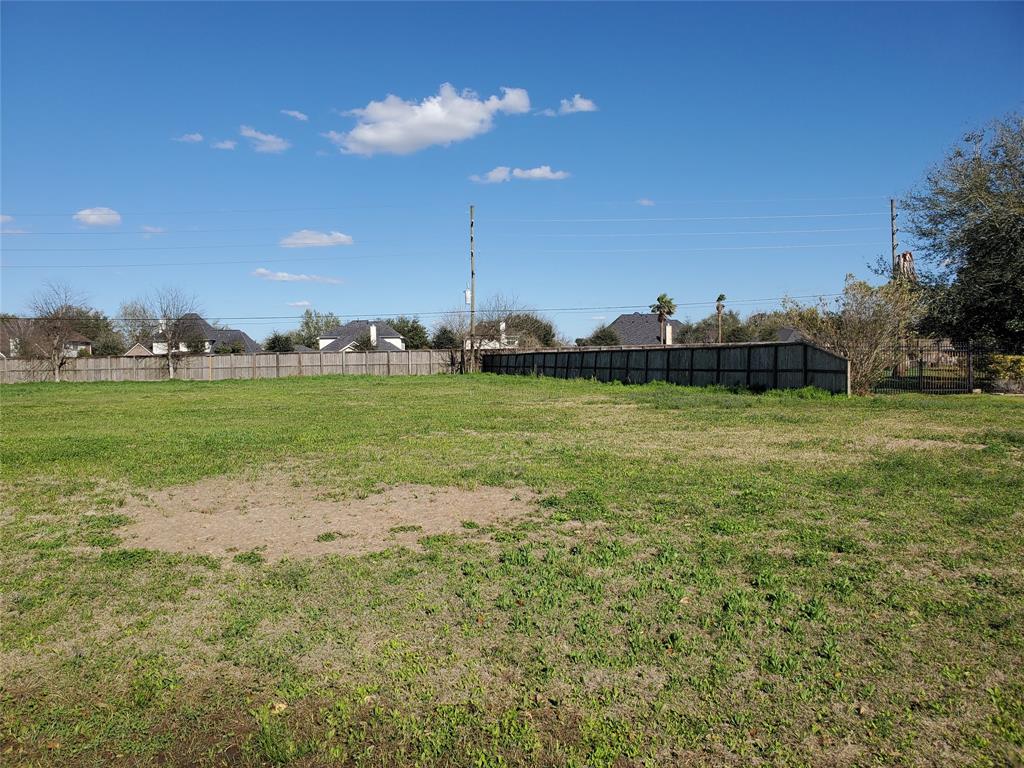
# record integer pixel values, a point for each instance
(472, 292)
(893, 231)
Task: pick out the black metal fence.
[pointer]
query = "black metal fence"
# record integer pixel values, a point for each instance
(933, 366)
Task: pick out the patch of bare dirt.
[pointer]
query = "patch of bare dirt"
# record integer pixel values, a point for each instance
(917, 444)
(279, 519)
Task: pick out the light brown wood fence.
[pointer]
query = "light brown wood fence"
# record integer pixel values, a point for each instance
(412, 362)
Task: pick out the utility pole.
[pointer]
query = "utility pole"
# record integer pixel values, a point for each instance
(472, 291)
(892, 217)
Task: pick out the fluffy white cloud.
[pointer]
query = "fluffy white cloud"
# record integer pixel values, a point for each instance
(504, 173)
(542, 172)
(302, 303)
(400, 127)
(98, 217)
(226, 144)
(289, 277)
(302, 116)
(189, 138)
(645, 201)
(264, 142)
(493, 176)
(310, 238)
(577, 103)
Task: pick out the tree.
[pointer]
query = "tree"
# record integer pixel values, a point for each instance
(444, 338)
(969, 216)
(665, 308)
(312, 326)
(866, 325)
(279, 342)
(364, 344)
(167, 316)
(603, 336)
(48, 336)
(414, 332)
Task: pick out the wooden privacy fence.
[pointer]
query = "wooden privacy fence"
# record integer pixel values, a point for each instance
(767, 365)
(411, 362)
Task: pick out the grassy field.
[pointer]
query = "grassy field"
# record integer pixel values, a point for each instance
(703, 578)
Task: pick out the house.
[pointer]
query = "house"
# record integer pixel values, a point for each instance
(16, 334)
(343, 338)
(492, 335)
(643, 328)
(214, 339)
(139, 350)
(788, 334)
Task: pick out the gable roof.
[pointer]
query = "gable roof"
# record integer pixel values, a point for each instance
(215, 336)
(641, 328)
(348, 334)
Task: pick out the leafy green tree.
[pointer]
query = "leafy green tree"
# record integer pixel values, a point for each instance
(603, 336)
(444, 338)
(415, 333)
(364, 344)
(969, 216)
(279, 342)
(312, 326)
(665, 307)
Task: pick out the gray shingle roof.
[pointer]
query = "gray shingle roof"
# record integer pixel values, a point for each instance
(642, 328)
(215, 336)
(349, 333)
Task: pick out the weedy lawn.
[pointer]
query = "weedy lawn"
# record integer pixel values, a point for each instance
(704, 578)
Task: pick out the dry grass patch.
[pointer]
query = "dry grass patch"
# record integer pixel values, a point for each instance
(277, 518)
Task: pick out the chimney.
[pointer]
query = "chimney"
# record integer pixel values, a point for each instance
(668, 333)
(373, 335)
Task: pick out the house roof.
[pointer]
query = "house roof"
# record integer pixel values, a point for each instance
(641, 328)
(787, 333)
(217, 335)
(138, 350)
(345, 335)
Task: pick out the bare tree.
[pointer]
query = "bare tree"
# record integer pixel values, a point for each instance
(164, 318)
(48, 335)
(866, 325)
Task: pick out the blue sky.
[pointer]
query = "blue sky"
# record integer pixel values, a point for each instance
(744, 149)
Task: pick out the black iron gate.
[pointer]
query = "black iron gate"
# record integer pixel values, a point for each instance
(934, 366)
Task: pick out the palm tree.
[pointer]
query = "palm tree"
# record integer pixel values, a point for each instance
(665, 308)
(719, 306)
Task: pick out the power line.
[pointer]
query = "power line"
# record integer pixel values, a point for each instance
(183, 263)
(687, 234)
(690, 218)
(434, 313)
(199, 212)
(703, 250)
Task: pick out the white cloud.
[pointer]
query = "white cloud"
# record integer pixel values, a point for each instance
(493, 176)
(302, 303)
(645, 201)
(577, 103)
(226, 144)
(310, 238)
(5, 219)
(542, 172)
(504, 173)
(301, 116)
(400, 127)
(98, 217)
(189, 138)
(153, 230)
(288, 277)
(264, 142)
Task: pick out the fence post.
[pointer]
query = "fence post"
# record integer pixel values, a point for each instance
(231, 363)
(277, 365)
(254, 365)
(920, 369)
(321, 363)
(209, 368)
(804, 384)
(970, 366)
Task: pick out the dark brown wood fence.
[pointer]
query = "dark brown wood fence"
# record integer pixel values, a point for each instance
(766, 365)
